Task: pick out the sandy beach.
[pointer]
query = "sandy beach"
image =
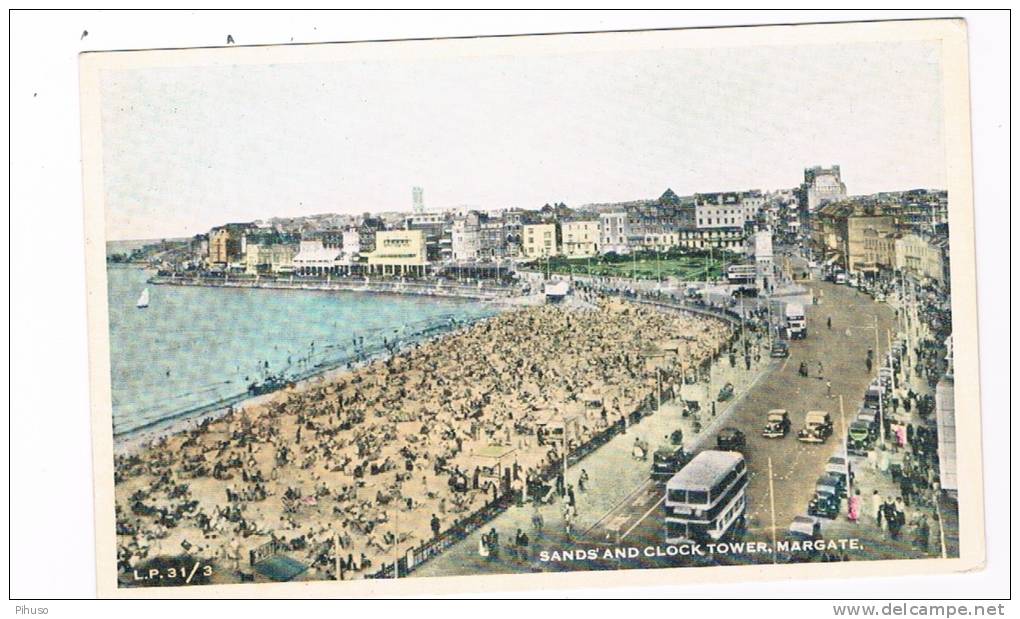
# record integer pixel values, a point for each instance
(371, 462)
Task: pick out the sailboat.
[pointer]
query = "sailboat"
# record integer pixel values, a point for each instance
(143, 300)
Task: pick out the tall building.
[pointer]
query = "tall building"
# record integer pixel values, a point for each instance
(822, 185)
(614, 232)
(465, 236)
(418, 199)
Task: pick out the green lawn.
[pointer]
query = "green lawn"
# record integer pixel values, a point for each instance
(686, 267)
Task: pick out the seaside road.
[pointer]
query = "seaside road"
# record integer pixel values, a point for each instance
(796, 466)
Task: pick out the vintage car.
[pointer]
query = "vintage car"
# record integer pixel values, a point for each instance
(873, 396)
(777, 424)
(826, 502)
(725, 393)
(859, 438)
(833, 480)
(817, 427)
(779, 349)
(836, 465)
(805, 528)
(886, 374)
(869, 417)
(667, 462)
(730, 439)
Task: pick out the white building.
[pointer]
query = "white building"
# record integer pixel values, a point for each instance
(314, 258)
(823, 185)
(919, 257)
(465, 237)
(752, 201)
(718, 210)
(580, 238)
(614, 232)
(351, 245)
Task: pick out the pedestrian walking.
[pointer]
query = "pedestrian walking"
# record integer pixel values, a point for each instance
(536, 519)
(854, 507)
(582, 481)
(828, 323)
(876, 507)
(828, 388)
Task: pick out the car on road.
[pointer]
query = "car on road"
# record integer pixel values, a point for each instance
(873, 396)
(836, 464)
(859, 439)
(826, 502)
(725, 393)
(730, 439)
(777, 424)
(779, 349)
(869, 417)
(817, 427)
(667, 461)
(805, 528)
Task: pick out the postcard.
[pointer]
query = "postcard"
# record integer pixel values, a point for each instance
(426, 317)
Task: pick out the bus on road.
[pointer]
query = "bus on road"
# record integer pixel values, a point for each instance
(707, 498)
(741, 273)
(796, 324)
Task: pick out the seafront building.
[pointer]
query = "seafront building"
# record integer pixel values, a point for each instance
(719, 210)
(270, 258)
(398, 252)
(541, 240)
(614, 232)
(227, 243)
(580, 238)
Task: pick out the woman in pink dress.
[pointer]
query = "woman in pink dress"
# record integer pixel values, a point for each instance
(854, 506)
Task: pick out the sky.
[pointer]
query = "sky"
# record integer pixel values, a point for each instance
(187, 148)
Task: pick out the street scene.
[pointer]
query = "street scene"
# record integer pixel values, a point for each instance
(698, 351)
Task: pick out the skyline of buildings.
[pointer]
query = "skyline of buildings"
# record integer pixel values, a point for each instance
(864, 235)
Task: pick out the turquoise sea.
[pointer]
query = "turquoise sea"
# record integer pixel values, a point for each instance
(196, 349)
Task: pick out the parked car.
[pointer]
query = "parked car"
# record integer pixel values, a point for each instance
(779, 349)
(777, 424)
(869, 417)
(731, 439)
(859, 438)
(805, 528)
(826, 502)
(725, 393)
(817, 427)
(873, 396)
(667, 462)
(836, 464)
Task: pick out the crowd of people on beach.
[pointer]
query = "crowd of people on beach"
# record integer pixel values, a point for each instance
(354, 469)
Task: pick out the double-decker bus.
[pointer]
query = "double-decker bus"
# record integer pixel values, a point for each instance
(741, 273)
(706, 498)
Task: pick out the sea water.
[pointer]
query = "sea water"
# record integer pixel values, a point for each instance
(197, 348)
